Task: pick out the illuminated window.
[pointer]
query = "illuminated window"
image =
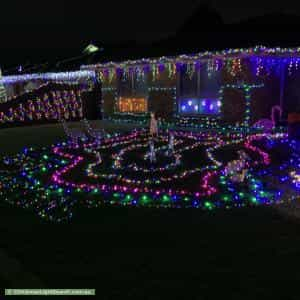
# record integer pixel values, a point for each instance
(134, 105)
(200, 106)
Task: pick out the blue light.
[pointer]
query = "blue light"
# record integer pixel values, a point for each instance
(205, 106)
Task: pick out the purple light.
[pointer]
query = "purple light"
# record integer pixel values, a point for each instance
(119, 71)
(146, 68)
(161, 67)
(197, 66)
(178, 67)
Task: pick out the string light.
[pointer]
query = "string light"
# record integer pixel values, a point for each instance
(247, 89)
(53, 106)
(53, 77)
(44, 179)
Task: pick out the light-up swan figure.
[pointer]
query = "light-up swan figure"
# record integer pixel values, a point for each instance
(268, 125)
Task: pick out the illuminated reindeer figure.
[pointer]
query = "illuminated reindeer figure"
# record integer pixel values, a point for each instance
(74, 134)
(96, 134)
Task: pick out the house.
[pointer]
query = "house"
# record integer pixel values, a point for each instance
(231, 86)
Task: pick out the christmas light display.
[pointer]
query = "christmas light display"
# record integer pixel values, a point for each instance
(3, 95)
(236, 170)
(54, 105)
(200, 106)
(170, 150)
(152, 154)
(75, 135)
(265, 125)
(132, 105)
(218, 55)
(51, 181)
(295, 178)
(262, 58)
(193, 106)
(236, 63)
(51, 77)
(40, 87)
(247, 89)
(214, 166)
(95, 133)
(153, 125)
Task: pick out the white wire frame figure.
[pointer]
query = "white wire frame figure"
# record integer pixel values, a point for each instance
(96, 134)
(265, 124)
(152, 153)
(74, 134)
(170, 150)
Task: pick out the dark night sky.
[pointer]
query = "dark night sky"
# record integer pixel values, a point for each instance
(61, 26)
(112, 20)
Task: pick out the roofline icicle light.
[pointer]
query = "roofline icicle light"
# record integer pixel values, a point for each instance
(224, 54)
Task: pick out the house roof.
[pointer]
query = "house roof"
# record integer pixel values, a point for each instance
(55, 77)
(258, 51)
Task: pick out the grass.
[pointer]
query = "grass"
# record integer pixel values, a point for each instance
(150, 254)
(12, 140)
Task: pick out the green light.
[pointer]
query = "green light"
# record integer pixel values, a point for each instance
(208, 205)
(226, 198)
(253, 199)
(166, 198)
(145, 199)
(128, 198)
